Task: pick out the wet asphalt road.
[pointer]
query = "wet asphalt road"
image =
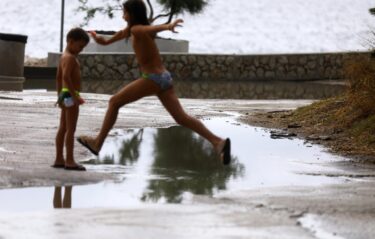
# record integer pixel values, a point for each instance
(29, 121)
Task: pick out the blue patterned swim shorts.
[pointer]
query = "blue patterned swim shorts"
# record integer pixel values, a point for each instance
(164, 80)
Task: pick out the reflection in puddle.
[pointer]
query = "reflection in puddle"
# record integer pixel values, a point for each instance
(171, 165)
(62, 199)
(178, 161)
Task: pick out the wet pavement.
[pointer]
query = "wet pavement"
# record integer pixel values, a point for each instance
(155, 179)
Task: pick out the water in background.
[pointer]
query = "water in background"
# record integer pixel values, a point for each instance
(241, 27)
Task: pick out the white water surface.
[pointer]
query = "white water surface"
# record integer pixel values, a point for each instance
(238, 27)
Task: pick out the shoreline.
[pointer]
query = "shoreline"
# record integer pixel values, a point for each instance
(334, 142)
(35, 61)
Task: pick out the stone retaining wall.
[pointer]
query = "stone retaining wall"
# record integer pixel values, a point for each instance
(107, 72)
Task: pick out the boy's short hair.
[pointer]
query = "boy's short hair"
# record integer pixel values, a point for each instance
(78, 34)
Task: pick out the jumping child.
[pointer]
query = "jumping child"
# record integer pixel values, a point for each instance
(154, 80)
(68, 83)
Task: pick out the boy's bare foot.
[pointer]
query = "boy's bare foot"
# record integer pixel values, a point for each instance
(59, 163)
(89, 143)
(76, 167)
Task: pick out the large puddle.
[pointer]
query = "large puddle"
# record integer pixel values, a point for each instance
(171, 165)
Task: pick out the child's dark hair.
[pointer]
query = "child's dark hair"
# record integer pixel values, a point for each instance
(78, 34)
(137, 12)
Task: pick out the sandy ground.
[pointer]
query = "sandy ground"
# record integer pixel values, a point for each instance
(28, 122)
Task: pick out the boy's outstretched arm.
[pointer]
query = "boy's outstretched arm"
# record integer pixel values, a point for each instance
(116, 37)
(138, 29)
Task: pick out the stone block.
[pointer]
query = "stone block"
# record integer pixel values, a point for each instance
(12, 54)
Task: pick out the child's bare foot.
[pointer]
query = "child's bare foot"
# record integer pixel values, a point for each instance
(89, 143)
(223, 149)
(59, 163)
(219, 146)
(74, 166)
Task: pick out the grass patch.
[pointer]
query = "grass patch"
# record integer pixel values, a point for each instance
(349, 118)
(320, 113)
(364, 131)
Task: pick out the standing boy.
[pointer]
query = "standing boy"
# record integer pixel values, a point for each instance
(68, 82)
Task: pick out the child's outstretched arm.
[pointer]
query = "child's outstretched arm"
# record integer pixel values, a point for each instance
(116, 37)
(150, 29)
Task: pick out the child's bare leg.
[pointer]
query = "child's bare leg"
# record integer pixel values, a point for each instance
(71, 123)
(67, 201)
(130, 93)
(173, 106)
(60, 136)
(57, 203)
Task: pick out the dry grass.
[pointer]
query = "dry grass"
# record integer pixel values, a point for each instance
(350, 118)
(361, 92)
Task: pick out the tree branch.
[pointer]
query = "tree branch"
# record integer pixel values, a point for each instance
(150, 17)
(173, 11)
(170, 18)
(161, 15)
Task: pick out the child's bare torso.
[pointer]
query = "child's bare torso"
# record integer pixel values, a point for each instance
(147, 54)
(69, 65)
